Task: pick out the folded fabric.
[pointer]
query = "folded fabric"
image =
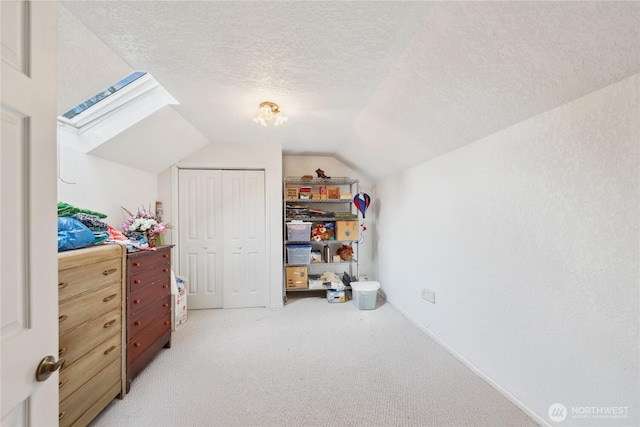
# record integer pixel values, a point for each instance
(115, 234)
(99, 236)
(93, 222)
(65, 209)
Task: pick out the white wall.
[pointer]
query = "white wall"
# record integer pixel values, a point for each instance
(239, 156)
(306, 165)
(529, 238)
(103, 186)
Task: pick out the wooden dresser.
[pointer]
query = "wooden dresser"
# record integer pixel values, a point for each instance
(91, 311)
(148, 307)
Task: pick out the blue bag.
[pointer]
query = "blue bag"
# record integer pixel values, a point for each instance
(72, 234)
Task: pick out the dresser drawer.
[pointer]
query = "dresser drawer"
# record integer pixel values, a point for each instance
(149, 276)
(82, 279)
(140, 343)
(138, 322)
(88, 306)
(140, 300)
(103, 387)
(80, 340)
(141, 261)
(94, 254)
(84, 369)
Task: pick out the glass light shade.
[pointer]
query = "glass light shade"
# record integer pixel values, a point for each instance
(270, 111)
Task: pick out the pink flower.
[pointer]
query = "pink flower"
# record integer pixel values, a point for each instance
(159, 229)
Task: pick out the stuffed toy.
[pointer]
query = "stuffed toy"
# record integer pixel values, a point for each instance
(345, 252)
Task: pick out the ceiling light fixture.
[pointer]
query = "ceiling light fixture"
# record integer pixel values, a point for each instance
(269, 110)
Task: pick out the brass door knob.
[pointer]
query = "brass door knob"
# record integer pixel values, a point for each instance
(47, 366)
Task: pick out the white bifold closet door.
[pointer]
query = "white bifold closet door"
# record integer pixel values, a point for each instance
(222, 235)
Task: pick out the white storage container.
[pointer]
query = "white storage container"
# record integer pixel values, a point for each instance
(298, 231)
(299, 254)
(364, 294)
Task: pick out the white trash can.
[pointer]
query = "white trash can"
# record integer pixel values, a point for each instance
(364, 294)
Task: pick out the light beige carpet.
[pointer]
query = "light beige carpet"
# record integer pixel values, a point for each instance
(310, 363)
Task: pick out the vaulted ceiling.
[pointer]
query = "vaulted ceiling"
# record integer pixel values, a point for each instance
(380, 85)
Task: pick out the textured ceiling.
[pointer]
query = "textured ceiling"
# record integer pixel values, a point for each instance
(381, 85)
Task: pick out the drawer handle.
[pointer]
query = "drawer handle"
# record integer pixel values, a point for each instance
(136, 264)
(165, 286)
(62, 383)
(137, 323)
(110, 271)
(164, 270)
(109, 324)
(62, 414)
(165, 255)
(136, 282)
(110, 349)
(62, 351)
(137, 344)
(62, 285)
(165, 305)
(136, 301)
(109, 298)
(63, 318)
(166, 323)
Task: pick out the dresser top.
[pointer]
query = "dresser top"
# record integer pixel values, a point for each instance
(162, 248)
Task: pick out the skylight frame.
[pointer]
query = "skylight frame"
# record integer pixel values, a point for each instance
(109, 100)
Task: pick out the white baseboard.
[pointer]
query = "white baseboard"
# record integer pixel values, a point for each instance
(477, 371)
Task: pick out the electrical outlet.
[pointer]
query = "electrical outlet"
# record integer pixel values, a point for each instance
(429, 295)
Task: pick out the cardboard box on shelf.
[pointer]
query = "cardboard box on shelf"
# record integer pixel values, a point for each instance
(333, 192)
(316, 284)
(297, 278)
(346, 230)
(292, 193)
(320, 282)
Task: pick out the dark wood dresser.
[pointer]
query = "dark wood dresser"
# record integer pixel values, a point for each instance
(148, 307)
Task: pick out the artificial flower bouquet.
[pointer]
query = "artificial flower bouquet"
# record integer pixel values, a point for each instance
(144, 223)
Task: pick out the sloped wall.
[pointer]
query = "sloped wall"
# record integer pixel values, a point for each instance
(529, 238)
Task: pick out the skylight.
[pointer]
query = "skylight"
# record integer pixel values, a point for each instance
(103, 95)
(112, 111)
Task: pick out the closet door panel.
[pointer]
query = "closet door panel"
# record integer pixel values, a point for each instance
(200, 222)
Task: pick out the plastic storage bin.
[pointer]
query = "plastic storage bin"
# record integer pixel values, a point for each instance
(299, 254)
(364, 294)
(298, 231)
